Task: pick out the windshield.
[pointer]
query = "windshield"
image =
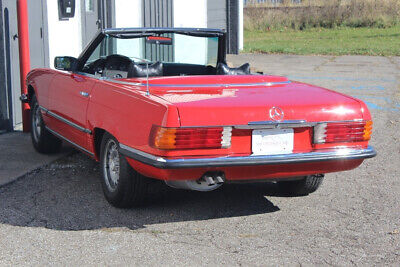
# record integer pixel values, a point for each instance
(179, 49)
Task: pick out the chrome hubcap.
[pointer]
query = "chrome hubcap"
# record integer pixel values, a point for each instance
(111, 165)
(37, 124)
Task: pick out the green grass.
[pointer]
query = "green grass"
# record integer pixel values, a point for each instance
(320, 41)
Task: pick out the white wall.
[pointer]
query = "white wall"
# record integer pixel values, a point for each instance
(65, 36)
(190, 14)
(240, 39)
(128, 13)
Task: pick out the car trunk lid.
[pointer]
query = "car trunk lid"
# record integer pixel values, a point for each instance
(238, 100)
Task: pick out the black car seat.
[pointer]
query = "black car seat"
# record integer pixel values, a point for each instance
(136, 70)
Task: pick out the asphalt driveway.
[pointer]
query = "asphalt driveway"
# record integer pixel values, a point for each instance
(57, 214)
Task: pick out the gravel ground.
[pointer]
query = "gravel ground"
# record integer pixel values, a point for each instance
(57, 214)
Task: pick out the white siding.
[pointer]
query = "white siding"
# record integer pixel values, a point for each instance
(65, 36)
(128, 13)
(216, 17)
(192, 14)
(240, 39)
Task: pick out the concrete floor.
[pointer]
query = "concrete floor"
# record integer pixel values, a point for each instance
(57, 215)
(18, 157)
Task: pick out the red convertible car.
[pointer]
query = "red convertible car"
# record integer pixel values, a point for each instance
(161, 103)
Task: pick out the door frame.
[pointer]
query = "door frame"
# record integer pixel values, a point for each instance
(9, 119)
(12, 109)
(105, 16)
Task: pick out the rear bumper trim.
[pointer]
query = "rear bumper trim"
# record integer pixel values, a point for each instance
(316, 156)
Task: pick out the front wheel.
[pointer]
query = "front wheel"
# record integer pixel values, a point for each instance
(43, 140)
(123, 187)
(305, 186)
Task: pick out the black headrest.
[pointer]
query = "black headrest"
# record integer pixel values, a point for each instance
(223, 69)
(136, 70)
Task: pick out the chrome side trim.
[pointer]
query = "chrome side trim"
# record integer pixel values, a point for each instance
(316, 156)
(69, 141)
(227, 85)
(70, 123)
(124, 149)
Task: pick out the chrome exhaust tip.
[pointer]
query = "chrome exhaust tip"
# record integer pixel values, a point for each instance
(208, 182)
(209, 179)
(219, 179)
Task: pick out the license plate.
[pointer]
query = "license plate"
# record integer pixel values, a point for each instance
(272, 141)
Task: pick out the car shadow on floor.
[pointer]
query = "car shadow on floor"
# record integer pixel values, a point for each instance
(67, 195)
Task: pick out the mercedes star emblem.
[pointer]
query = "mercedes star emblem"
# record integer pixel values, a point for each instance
(276, 114)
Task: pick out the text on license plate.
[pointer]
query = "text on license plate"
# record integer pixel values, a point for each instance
(272, 141)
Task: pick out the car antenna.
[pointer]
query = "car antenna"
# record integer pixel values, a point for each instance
(147, 79)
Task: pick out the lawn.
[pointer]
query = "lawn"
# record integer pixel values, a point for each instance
(320, 41)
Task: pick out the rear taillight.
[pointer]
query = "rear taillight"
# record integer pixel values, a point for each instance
(191, 138)
(342, 132)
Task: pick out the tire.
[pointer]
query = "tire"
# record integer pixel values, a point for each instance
(305, 186)
(43, 141)
(123, 187)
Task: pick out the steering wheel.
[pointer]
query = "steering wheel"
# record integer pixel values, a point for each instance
(117, 62)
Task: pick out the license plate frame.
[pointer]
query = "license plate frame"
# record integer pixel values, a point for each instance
(272, 141)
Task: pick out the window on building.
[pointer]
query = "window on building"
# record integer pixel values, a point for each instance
(89, 4)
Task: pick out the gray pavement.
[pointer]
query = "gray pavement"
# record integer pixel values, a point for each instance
(18, 157)
(57, 215)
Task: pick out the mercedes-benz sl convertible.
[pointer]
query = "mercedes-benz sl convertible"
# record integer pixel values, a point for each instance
(161, 103)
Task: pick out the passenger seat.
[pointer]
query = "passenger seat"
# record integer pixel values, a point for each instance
(136, 70)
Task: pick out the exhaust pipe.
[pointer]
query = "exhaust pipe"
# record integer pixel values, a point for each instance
(219, 179)
(208, 182)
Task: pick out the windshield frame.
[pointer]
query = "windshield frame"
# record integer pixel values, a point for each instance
(143, 32)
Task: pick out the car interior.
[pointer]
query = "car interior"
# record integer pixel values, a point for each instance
(119, 66)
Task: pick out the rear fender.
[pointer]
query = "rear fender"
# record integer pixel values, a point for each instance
(128, 115)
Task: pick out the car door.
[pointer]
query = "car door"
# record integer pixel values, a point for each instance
(69, 96)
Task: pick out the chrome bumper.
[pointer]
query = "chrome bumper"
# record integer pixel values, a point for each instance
(323, 155)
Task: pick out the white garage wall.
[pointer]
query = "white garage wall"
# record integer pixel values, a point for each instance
(65, 36)
(128, 14)
(190, 14)
(240, 39)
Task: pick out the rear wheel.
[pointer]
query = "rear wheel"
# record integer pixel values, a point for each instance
(43, 140)
(123, 187)
(305, 186)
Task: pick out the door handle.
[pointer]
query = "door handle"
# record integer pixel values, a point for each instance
(84, 94)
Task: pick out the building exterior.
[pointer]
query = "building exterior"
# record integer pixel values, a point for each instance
(64, 27)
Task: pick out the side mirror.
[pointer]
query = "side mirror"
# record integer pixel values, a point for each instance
(65, 63)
